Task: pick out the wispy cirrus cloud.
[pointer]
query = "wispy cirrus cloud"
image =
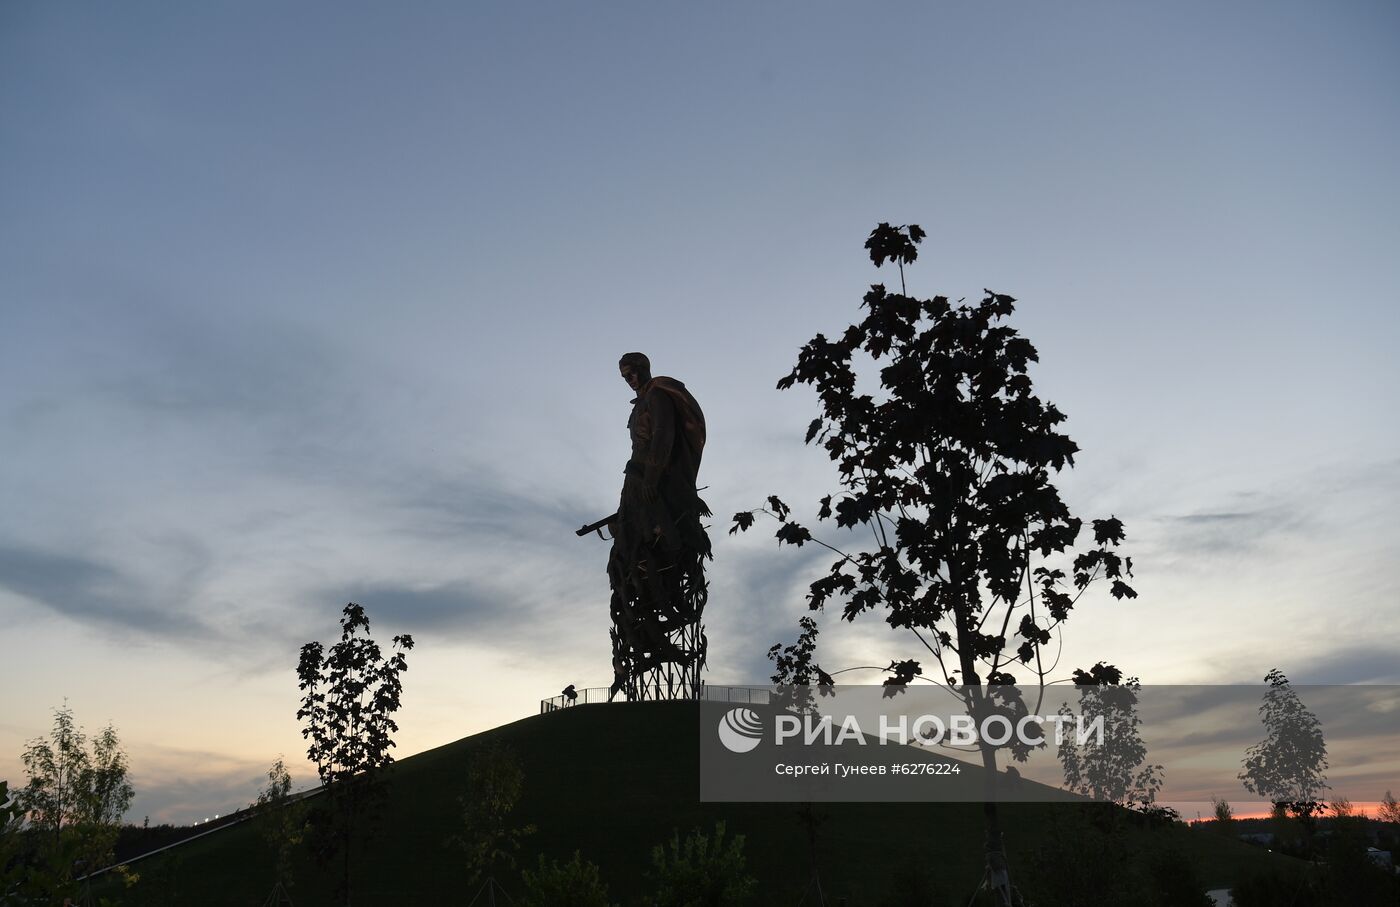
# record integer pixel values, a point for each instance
(1234, 531)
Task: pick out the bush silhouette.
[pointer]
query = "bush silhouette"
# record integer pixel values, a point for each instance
(701, 871)
(572, 884)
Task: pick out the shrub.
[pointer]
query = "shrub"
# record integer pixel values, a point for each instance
(572, 884)
(701, 871)
(915, 883)
(1281, 889)
(1095, 856)
(491, 840)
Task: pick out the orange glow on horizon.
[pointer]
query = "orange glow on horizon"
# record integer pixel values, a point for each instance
(1369, 809)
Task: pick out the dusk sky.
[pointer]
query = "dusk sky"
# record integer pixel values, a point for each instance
(309, 303)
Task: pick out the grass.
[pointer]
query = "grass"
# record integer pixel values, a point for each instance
(613, 781)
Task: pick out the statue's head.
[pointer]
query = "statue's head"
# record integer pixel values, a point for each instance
(635, 369)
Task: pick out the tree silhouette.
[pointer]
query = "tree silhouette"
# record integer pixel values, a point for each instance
(949, 470)
(1288, 766)
(350, 696)
(495, 781)
(796, 675)
(282, 825)
(1111, 769)
(11, 822)
(701, 871)
(1224, 816)
(1389, 810)
(555, 883)
(75, 798)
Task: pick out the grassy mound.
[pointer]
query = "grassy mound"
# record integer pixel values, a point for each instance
(614, 780)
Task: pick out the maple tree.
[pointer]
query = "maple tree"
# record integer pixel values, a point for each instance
(350, 696)
(949, 468)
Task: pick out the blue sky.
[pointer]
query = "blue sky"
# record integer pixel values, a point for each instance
(299, 305)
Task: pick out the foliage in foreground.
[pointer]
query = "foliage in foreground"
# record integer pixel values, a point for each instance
(701, 871)
(1091, 857)
(917, 883)
(74, 801)
(1343, 876)
(495, 781)
(950, 468)
(576, 883)
(350, 695)
(11, 816)
(282, 821)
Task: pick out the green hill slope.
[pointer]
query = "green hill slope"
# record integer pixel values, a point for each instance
(614, 780)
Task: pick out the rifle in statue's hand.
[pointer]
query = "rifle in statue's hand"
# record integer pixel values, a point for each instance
(596, 527)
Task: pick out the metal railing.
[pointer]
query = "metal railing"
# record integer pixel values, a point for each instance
(709, 693)
(228, 821)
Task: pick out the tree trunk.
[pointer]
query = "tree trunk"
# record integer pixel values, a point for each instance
(349, 819)
(998, 874)
(998, 877)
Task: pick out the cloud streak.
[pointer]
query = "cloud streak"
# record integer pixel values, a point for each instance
(92, 592)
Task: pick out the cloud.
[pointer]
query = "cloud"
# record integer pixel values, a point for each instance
(1230, 532)
(1202, 733)
(1322, 503)
(757, 595)
(463, 607)
(187, 361)
(91, 592)
(1208, 518)
(469, 557)
(1353, 665)
(200, 372)
(179, 786)
(481, 502)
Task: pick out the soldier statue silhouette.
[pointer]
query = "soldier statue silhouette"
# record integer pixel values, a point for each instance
(657, 564)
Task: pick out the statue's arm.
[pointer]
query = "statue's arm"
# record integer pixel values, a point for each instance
(663, 435)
